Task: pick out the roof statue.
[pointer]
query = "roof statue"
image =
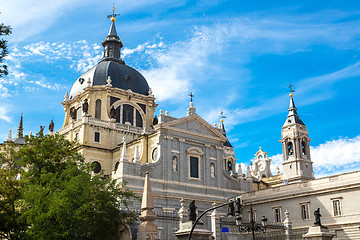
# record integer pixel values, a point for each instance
(85, 106)
(41, 133)
(51, 126)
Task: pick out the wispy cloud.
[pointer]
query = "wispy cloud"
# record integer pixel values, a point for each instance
(4, 113)
(332, 157)
(23, 62)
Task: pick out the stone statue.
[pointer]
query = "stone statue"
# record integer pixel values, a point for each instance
(73, 113)
(174, 164)
(51, 126)
(192, 210)
(155, 121)
(212, 170)
(112, 112)
(317, 218)
(41, 133)
(85, 106)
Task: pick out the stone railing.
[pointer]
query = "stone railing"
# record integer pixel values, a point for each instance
(321, 183)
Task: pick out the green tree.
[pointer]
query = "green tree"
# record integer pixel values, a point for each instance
(12, 225)
(4, 30)
(61, 199)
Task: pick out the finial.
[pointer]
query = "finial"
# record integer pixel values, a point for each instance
(66, 96)
(89, 82)
(191, 96)
(291, 90)
(113, 15)
(222, 116)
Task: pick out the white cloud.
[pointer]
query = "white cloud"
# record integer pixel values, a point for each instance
(332, 157)
(4, 113)
(78, 55)
(336, 155)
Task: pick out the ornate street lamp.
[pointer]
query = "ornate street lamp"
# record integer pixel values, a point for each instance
(252, 226)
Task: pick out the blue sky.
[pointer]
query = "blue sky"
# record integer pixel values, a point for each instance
(235, 56)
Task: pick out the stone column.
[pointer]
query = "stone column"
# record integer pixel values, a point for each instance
(147, 229)
(215, 224)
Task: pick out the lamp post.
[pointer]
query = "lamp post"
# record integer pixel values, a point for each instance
(252, 226)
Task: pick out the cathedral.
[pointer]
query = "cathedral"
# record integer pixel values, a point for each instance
(111, 112)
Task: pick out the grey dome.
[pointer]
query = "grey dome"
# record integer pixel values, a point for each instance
(122, 76)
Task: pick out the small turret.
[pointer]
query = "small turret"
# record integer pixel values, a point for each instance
(112, 44)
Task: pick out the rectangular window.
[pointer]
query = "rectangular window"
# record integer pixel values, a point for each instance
(97, 137)
(194, 167)
(336, 207)
(305, 211)
(77, 137)
(277, 215)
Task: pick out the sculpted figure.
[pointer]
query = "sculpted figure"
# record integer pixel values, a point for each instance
(192, 210)
(174, 167)
(73, 113)
(112, 112)
(85, 106)
(155, 120)
(212, 170)
(51, 126)
(317, 218)
(41, 133)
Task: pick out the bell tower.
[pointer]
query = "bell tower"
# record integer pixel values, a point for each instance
(295, 140)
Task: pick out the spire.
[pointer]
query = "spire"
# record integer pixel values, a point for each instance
(136, 155)
(124, 152)
(147, 229)
(20, 137)
(292, 116)
(112, 31)
(147, 202)
(9, 139)
(20, 129)
(112, 44)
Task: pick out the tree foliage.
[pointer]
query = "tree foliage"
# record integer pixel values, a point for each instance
(4, 30)
(57, 197)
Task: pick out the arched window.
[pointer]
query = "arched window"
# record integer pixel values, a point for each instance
(116, 166)
(229, 166)
(98, 109)
(290, 149)
(111, 51)
(128, 114)
(139, 122)
(303, 147)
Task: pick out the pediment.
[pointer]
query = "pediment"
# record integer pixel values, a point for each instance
(195, 125)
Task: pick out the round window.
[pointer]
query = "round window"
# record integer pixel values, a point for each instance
(155, 154)
(96, 167)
